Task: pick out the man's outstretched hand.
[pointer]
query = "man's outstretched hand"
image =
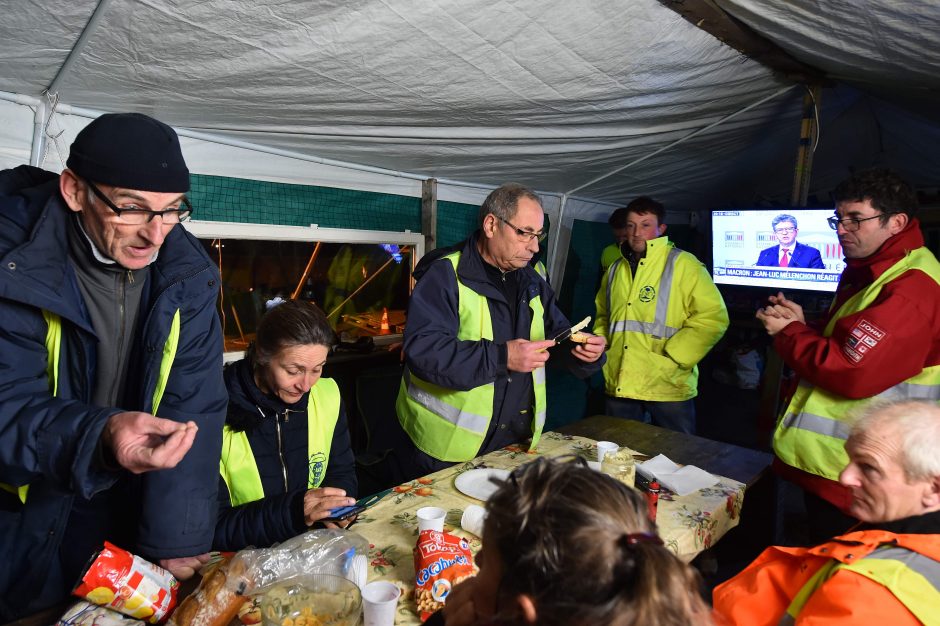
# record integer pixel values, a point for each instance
(142, 442)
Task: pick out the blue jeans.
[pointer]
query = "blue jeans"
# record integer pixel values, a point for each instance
(678, 416)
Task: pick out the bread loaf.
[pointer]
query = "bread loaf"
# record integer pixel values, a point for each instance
(579, 337)
(217, 598)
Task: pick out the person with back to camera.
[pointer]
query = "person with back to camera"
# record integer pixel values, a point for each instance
(789, 252)
(880, 338)
(108, 321)
(286, 454)
(885, 571)
(568, 546)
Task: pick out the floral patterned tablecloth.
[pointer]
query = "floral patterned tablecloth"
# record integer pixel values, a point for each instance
(687, 524)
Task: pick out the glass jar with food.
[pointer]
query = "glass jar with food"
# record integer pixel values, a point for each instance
(620, 465)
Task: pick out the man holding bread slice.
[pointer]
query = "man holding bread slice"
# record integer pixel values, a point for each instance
(661, 313)
(481, 326)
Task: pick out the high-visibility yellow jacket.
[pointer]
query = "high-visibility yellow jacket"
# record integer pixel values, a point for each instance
(659, 324)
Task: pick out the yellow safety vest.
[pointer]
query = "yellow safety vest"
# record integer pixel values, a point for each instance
(238, 466)
(53, 356)
(812, 432)
(540, 269)
(913, 578)
(450, 425)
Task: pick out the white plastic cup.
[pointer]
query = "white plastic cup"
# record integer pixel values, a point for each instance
(431, 518)
(379, 603)
(472, 519)
(603, 447)
(594, 465)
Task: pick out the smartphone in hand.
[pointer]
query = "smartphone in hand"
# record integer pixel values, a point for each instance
(343, 512)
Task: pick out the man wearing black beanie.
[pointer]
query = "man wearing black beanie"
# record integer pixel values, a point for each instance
(109, 320)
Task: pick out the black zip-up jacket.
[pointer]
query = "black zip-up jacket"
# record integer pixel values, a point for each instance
(277, 433)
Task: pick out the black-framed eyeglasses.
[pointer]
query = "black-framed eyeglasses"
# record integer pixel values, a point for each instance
(523, 235)
(850, 224)
(137, 216)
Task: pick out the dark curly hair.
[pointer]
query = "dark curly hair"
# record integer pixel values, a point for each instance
(580, 544)
(884, 188)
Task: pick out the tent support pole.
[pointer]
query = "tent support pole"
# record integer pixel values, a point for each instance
(683, 139)
(557, 272)
(76, 50)
(429, 213)
(38, 147)
(803, 170)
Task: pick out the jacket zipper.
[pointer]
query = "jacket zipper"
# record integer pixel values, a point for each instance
(280, 449)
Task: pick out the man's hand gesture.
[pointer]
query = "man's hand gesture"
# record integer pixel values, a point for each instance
(142, 442)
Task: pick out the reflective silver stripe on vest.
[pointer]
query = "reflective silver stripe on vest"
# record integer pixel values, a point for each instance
(657, 328)
(914, 561)
(476, 424)
(817, 424)
(647, 328)
(910, 391)
(538, 376)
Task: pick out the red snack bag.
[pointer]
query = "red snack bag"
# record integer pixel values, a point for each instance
(441, 561)
(128, 584)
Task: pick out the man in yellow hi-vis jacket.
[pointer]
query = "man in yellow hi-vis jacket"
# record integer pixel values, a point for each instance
(661, 314)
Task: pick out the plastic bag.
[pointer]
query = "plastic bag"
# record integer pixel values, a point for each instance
(324, 551)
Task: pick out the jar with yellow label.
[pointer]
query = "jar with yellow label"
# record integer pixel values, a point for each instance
(620, 465)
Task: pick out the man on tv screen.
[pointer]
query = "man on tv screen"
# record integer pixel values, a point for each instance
(789, 253)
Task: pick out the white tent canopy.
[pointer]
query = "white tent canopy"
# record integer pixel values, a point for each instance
(555, 94)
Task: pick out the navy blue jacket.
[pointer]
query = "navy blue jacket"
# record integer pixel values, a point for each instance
(433, 353)
(51, 443)
(803, 256)
(279, 515)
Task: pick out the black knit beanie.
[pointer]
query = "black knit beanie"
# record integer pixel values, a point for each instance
(132, 151)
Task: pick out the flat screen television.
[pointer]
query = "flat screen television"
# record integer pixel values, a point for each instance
(746, 249)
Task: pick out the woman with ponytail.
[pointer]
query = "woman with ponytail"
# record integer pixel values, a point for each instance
(565, 545)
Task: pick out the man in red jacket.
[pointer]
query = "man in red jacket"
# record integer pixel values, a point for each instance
(880, 338)
(886, 572)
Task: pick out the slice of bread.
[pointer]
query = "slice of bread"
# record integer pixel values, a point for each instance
(579, 337)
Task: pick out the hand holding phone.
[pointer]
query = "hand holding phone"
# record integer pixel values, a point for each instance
(319, 502)
(345, 512)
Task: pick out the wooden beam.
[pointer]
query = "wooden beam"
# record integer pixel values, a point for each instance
(711, 18)
(429, 213)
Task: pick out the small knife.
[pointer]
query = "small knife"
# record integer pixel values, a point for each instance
(567, 333)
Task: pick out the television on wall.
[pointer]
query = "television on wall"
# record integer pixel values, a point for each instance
(746, 249)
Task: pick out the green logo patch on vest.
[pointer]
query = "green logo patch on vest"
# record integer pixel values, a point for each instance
(647, 293)
(316, 468)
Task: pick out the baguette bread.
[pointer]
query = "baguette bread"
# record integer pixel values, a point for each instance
(579, 337)
(216, 600)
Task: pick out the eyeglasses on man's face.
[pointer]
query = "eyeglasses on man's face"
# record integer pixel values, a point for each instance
(136, 216)
(523, 235)
(850, 224)
(785, 231)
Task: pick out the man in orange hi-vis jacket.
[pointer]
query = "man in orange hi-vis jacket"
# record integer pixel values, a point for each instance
(886, 570)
